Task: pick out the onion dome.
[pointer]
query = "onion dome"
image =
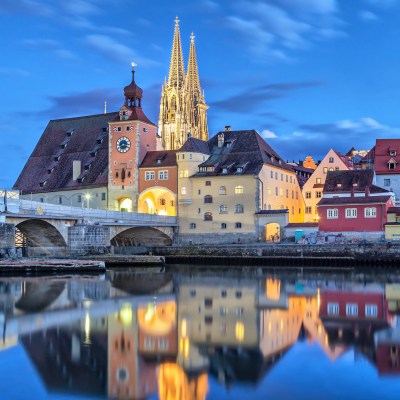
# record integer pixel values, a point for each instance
(133, 93)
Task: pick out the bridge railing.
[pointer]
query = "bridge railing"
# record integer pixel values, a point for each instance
(93, 215)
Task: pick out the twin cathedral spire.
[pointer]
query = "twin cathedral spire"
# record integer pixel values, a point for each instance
(182, 107)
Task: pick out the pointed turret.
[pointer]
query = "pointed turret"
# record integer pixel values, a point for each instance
(176, 76)
(192, 75)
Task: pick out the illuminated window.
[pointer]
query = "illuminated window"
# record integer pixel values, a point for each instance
(239, 331)
(325, 170)
(184, 174)
(308, 210)
(318, 181)
(183, 190)
(163, 344)
(238, 189)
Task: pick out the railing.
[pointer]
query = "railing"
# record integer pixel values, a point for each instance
(93, 215)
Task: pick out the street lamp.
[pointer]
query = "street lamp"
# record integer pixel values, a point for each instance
(88, 197)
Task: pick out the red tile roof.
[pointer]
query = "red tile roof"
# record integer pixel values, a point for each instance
(156, 159)
(354, 200)
(383, 149)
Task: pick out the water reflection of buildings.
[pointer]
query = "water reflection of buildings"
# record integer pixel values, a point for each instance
(123, 345)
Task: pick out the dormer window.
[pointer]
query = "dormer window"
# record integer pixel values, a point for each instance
(224, 170)
(158, 160)
(392, 153)
(239, 170)
(228, 145)
(43, 184)
(50, 170)
(70, 132)
(338, 185)
(104, 129)
(93, 154)
(272, 158)
(392, 164)
(57, 158)
(280, 161)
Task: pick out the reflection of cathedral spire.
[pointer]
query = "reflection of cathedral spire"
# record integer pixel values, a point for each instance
(182, 106)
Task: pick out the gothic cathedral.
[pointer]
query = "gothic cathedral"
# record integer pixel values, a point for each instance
(183, 110)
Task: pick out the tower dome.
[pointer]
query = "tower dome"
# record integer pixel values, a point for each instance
(133, 93)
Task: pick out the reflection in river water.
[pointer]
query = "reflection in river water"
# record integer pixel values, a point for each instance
(179, 337)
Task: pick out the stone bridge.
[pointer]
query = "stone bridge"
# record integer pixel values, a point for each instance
(43, 229)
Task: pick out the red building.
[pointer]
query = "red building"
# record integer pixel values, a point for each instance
(352, 203)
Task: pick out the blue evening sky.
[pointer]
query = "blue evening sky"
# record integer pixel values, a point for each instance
(307, 74)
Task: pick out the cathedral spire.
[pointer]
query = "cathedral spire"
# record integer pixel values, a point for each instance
(192, 76)
(176, 68)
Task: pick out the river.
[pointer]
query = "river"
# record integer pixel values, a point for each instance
(224, 334)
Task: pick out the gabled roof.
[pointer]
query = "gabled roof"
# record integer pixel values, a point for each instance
(345, 159)
(194, 145)
(137, 114)
(83, 134)
(157, 159)
(243, 149)
(349, 180)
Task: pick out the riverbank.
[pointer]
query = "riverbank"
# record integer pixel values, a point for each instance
(326, 255)
(17, 266)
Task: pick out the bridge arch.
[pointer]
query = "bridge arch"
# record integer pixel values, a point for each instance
(142, 236)
(42, 237)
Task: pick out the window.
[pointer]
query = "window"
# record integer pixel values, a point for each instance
(208, 319)
(192, 225)
(163, 175)
(223, 225)
(208, 302)
(238, 189)
(183, 190)
(318, 195)
(281, 191)
(371, 310)
(238, 294)
(162, 344)
(308, 195)
(224, 170)
(276, 175)
(392, 153)
(60, 200)
(282, 177)
(318, 181)
(222, 190)
(162, 201)
(331, 159)
(239, 209)
(190, 156)
(272, 174)
(370, 212)
(287, 178)
(386, 182)
(239, 170)
(351, 309)
(184, 174)
(333, 309)
(149, 176)
(276, 191)
(308, 210)
(338, 185)
(392, 165)
(325, 170)
(148, 343)
(208, 216)
(238, 225)
(287, 193)
(208, 183)
(199, 191)
(332, 213)
(223, 311)
(239, 311)
(193, 293)
(351, 212)
(103, 196)
(208, 199)
(79, 197)
(223, 209)
(223, 293)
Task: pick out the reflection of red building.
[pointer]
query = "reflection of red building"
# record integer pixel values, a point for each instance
(388, 351)
(353, 305)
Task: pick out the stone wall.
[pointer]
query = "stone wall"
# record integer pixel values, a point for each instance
(212, 238)
(7, 240)
(88, 239)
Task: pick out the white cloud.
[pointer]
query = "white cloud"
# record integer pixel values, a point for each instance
(267, 134)
(367, 16)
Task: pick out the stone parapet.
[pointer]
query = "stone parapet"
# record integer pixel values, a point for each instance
(212, 238)
(7, 240)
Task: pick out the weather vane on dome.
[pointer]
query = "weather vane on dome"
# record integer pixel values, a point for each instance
(133, 65)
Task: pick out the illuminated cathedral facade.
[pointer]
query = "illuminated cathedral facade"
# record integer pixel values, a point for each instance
(183, 110)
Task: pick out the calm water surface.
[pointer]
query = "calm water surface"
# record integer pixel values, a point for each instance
(126, 335)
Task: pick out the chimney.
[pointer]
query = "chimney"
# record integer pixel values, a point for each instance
(367, 191)
(76, 169)
(220, 140)
(227, 128)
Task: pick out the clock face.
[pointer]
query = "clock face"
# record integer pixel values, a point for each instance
(123, 144)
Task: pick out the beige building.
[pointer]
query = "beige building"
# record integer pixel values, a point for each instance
(312, 189)
(234, 188)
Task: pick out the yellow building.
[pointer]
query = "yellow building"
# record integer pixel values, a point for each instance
(392, 227)
(234, 188)
(313, 188)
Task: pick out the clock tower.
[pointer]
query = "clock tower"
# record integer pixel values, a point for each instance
(131, 136)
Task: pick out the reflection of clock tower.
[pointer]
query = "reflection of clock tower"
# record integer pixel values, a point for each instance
(131, 136)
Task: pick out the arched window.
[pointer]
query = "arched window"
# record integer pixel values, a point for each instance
(222, 190)
(239, 209)
(208, 216)
(208, 199)
(238, 189)
(223, 209)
